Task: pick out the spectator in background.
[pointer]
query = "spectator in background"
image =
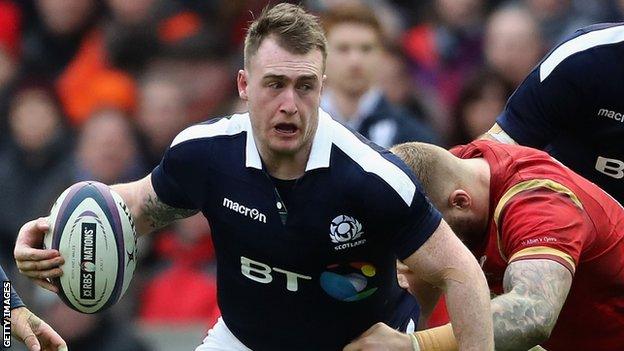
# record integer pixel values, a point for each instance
(397, 85)
(444, 50)
(129, 32)
(138, 31)
(107, 149)
(91, 80)
(204, 82)
(34, 166)
(193, 47)
(163, 113)
(66, 45)
(52, 40)
(355, 39)
(481, 99)
(513, 43)
(559, 18)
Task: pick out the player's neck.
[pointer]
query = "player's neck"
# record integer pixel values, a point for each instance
(347, 103)
(478, 170)
(286, 166)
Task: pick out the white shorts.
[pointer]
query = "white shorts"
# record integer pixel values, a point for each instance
(220, 338)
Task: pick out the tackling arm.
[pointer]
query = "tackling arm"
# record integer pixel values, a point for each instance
(444, 262)
(535, 291)
(426, 294)
(148, 212)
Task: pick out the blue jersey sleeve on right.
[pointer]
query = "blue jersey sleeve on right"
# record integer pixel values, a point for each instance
(537, 110)
(544, 105)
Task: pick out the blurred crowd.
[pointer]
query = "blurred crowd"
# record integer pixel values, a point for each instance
(97, 90)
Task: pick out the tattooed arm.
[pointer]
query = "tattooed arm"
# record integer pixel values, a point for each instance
(148, 211)
(523, 317)
(526, 313)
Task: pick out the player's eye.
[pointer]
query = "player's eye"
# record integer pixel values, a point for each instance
(306, 87)
(366, 48)
(275, 85)
(342, 48)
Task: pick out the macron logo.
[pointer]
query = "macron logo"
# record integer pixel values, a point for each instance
(252, 213)
(617, 116)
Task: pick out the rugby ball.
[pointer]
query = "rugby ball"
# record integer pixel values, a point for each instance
(94, 232)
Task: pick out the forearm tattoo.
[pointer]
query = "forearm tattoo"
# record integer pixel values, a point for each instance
(159, 214)
(525, 315)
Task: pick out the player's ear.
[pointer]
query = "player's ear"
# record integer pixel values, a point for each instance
(460, 199)
(242, 83)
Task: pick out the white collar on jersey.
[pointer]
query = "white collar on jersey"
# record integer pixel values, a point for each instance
(321, 145)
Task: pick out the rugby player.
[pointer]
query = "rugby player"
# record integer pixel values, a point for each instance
(550, 242)
(307, 218)
(571, 106)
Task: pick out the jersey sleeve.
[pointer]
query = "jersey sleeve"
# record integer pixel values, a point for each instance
(177, 179)
(544, 224)
(538, 109)
(415, 225)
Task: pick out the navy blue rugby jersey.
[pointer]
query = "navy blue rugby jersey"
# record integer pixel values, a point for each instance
(572, 105)
(317, 272)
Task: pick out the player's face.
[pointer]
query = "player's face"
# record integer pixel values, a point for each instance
(283, 92)
(353, 57)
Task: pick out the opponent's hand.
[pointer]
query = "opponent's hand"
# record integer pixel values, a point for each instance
(34, 262)
(381, 337)
(36, 334)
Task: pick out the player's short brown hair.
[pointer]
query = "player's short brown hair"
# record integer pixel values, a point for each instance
(294, 29)
(351, 13)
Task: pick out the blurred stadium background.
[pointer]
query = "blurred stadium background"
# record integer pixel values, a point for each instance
(97, 89)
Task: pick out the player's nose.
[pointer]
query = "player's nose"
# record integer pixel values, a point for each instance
(288, 104)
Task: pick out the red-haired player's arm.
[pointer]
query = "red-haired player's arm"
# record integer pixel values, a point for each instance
(525, 315)
(542, 232)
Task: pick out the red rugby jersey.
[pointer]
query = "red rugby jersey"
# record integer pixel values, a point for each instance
(540, 209)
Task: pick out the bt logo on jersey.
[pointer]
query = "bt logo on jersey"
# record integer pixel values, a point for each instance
(345, 282)
(261, 273)
(610, 166)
